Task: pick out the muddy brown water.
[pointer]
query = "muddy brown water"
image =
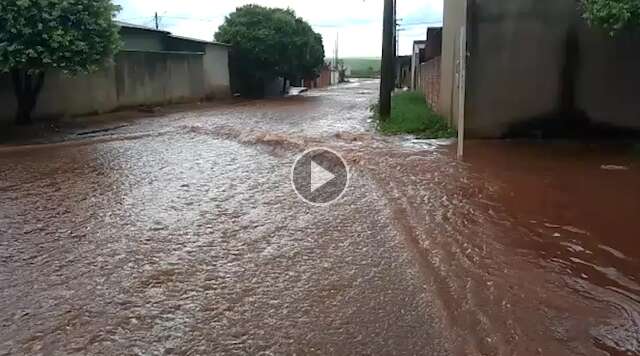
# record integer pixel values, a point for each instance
(182, 235)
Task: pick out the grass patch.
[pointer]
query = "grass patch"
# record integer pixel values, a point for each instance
(635, 151)
(363, 67)
(410, 114)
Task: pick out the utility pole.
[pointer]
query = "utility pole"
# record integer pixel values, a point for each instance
(337, 50)
(395, 29)
(386, 74)
(157, 22)
(335, 71)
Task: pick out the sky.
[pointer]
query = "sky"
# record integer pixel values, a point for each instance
(356, 23)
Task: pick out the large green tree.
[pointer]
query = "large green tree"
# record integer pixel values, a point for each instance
(268, 43)
(612, 15)
(73, 36)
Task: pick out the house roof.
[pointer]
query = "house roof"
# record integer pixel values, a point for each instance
(167, 33)
(139, 27)
(421, 44)
(199, 40)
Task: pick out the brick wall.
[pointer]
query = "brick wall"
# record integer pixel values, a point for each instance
(429, 81)
(323, 81)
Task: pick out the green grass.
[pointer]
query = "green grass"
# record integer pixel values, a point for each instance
(363, 67)
(636, 150)
(410, 114)
(362, 64)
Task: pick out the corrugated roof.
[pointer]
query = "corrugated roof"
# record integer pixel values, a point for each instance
(139, 27)
(200, 41)
(146, 28)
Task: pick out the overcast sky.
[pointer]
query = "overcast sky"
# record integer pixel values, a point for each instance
(358, 23)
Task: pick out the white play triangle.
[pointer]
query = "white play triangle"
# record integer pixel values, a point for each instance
(319, 176)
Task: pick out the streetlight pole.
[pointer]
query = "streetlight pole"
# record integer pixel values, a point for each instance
(386, 73)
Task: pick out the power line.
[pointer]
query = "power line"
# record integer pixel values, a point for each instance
(134, 19)
(439, 22)
(203, 19)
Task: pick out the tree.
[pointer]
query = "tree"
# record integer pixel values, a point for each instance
(72, 36)
(612, 15)
(269, 43)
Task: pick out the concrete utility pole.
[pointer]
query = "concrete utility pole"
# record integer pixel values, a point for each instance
(386, 74)
(395, 29)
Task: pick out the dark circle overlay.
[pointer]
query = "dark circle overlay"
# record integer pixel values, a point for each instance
(329, 161)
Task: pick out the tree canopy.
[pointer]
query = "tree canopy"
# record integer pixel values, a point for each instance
(73, 36)
(70, 35)
(612, 15)
(271, 42)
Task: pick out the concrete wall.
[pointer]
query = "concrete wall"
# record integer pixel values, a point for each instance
(216, 71)
(62, 95)
(137, 78)
(517, 55)
(608, 77)
(146, 78)
(454, 18)
(216, 63)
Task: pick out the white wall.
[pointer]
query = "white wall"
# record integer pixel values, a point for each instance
(455, 16)
(137, 78)
(216, 71)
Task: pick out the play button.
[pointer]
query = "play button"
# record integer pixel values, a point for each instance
(320, 176)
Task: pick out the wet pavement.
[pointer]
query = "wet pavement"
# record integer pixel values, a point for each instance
(182, 235)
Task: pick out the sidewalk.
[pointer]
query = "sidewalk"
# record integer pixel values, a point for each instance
(70, 128)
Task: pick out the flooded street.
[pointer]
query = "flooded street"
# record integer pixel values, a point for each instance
(182, 235)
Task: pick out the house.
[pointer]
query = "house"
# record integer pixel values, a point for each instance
(153, 68)
(535, 65)
(433, 47)
(141, 38)
(403, 71)
(417, 55)
(324, 80)
(215, 55)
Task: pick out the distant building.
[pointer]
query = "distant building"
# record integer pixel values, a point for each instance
(403, 72)
(433, 47)
(324, 79)
(417, 55)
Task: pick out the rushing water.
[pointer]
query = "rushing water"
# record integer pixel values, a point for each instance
(182, 235)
